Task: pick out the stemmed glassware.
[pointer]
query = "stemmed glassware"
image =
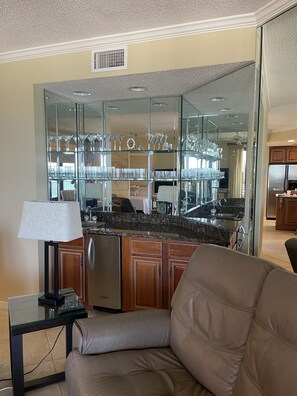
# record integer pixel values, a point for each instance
(58, 142)
(101, 140)
(117, 142)
(157, 141)
(92, 139)
(202, 146)
(51, 138)
(67, 139)
(82, 140)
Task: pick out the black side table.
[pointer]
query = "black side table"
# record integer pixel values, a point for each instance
(26, 316)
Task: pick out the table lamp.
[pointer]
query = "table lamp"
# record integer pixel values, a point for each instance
(51, 222)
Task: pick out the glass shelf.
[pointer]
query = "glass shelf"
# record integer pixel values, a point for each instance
(101, 154)
(196, 154)
(201, 179)
(140, 151)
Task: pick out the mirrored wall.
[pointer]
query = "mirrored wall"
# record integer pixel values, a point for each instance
(167, 155)
(160, 153)
(230, 105)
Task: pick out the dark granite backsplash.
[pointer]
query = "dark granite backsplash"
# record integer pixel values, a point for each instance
(162, 226)
(204, 210)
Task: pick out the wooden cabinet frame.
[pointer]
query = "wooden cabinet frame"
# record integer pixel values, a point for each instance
(160, 264)
(283, 155)
(72, 268)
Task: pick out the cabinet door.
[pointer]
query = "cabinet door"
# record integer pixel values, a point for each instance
(146, 274)
(278, 155)
(146, 247)
(290, 213)
(179, 255)
(178, 250)
(292, 154)
(72, 271)
(176, 269)
(286, 214)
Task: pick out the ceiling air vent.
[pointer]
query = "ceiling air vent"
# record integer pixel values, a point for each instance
(111, 59)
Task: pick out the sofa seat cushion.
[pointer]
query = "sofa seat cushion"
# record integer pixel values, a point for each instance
(144, 372)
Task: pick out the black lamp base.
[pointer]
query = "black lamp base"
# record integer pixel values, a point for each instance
(51, 300)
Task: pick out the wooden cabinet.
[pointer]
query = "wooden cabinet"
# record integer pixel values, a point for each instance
(147, 282)
(151, 270)
(72, 267)
(286, 214)
(178, 257)
(283, 155)
(277, 155)
(145, 273)
(292, 155)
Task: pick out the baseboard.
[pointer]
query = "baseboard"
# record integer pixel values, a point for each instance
(4, 305)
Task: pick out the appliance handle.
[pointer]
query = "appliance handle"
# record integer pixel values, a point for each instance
(91, 254)
(241, 231)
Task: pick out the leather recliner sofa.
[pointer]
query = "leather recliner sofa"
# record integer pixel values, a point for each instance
(232, 330)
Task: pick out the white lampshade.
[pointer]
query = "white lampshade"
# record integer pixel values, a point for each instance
(50, 221)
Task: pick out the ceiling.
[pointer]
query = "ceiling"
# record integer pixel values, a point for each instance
(36, 24)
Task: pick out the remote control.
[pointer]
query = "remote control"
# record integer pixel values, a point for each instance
(70, 308)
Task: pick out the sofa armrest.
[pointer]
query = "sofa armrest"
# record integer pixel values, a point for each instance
(131, 330)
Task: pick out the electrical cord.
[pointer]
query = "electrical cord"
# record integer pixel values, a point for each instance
(4, 389)
(31, 371)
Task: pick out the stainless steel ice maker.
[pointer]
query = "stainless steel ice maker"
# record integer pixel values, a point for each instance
(104, 271)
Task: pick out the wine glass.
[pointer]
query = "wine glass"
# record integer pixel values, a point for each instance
(67, 139)
(50, 140)
(82, 139)
(58, 142)
(92, 139)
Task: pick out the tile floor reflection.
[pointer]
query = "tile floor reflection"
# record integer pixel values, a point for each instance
(273, 244)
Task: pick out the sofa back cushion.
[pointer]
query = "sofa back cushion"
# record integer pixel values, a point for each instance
(269, 366)
(212, 311)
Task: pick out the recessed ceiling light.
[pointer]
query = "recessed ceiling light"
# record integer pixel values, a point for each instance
(159, 104)
(232, 116)
(217, 99)
(236, 123)
(81, 93)
(137, 89)
(291, 141)
(72, 109)
(225, 109)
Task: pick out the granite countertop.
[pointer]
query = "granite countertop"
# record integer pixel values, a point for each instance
(203, 230)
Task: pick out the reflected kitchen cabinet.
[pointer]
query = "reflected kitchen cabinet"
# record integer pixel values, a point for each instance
(286, 213)
(283, 154)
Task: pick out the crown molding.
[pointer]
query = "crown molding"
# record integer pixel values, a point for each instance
(168, 32)
(266, 13)
(273, 9)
